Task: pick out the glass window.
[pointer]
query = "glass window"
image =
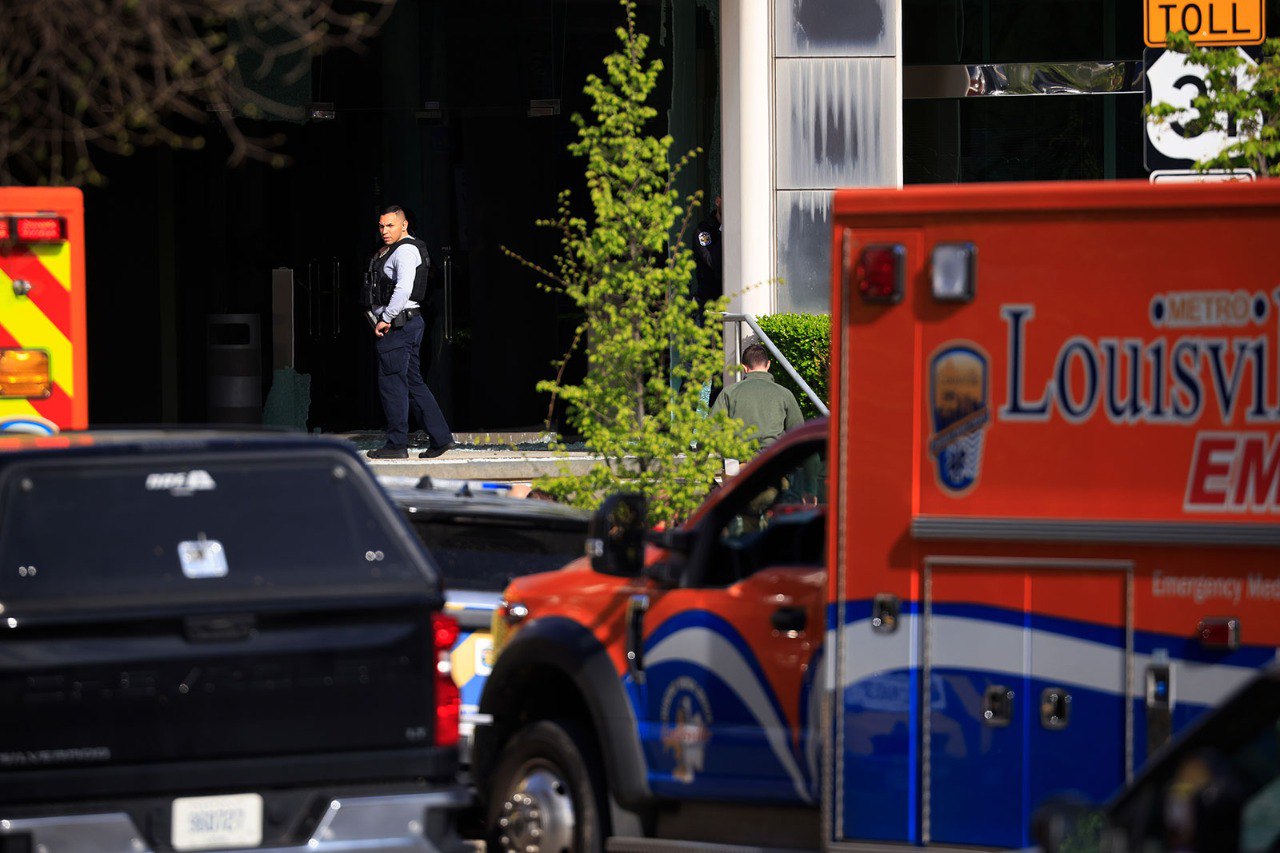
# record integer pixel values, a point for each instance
(1035, 138)
(478, 557)
(833, 129)
(971, 32)
(835, 27)
(196, 526)
(804, 251)
(779, 519)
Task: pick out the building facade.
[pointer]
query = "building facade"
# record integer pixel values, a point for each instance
(461, 112)
(820, 94)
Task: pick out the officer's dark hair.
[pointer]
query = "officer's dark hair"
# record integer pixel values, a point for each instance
(393, 208)
(755, 356)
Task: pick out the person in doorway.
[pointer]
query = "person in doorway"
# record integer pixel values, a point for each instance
(708, 258)
(398, 274)
(758, 401)
(708, 279)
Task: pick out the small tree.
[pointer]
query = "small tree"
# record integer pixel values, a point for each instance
(1251, 113)
(641, 327)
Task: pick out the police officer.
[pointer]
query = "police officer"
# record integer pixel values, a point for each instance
(708, 258)
(396, 285)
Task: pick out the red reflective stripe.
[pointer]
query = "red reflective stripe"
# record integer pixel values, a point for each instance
(56, 407)
(48, 294)
(6, 339)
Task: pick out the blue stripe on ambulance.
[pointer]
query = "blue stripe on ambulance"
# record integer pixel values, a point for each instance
(880, 715)
(749, 754)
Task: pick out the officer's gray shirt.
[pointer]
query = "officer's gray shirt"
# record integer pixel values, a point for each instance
(400, 267)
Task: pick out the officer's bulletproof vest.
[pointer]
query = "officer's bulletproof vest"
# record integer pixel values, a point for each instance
(379, 286)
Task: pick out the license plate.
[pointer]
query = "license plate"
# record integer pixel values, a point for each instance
(204, 823)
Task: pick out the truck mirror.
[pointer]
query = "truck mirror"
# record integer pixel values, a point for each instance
(615, 538)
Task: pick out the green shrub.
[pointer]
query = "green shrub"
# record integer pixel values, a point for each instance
(805, 340)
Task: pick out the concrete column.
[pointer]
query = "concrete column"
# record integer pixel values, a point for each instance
(746, 71)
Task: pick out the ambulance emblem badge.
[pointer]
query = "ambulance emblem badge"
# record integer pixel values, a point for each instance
(686, 721)
(958, 399)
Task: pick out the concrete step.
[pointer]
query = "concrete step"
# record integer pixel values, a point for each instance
(488, 464)
(511, 439)
(494, 455)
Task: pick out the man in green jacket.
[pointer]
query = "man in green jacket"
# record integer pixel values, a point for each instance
(758, 401)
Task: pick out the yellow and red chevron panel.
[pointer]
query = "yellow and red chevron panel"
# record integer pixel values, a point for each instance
(42, 304)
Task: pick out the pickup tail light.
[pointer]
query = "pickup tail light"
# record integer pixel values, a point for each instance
(444, 632)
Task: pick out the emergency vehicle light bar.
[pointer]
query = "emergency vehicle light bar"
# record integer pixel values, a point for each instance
(37, 229)
(25, 373)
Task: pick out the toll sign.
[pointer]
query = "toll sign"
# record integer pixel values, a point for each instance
(1208, 22)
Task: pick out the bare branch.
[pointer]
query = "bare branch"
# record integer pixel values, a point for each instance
(115, 74)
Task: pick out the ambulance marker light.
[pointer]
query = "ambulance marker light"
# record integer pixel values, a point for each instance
(513, 613)
(952, 269)
(40, 229)
(25, 373)
(6, 231)
(1220, 633)
(880, 273)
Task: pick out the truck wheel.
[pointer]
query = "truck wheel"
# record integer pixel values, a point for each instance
(547, 794)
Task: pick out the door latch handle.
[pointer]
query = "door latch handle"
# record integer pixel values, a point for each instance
(220, 628)
(789, 620)
(997, 706)
(884, 613)
(1160, 701)
(636, 608)
(1055, 708)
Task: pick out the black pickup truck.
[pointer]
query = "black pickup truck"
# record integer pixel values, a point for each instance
(213, 641)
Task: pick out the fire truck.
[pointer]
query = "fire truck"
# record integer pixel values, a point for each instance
(1039, 535)
(43, 359)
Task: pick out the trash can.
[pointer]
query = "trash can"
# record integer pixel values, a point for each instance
(234, 357)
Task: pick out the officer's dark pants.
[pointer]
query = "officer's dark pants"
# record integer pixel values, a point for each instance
(400, 385)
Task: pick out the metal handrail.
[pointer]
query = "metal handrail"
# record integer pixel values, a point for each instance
(750, 320)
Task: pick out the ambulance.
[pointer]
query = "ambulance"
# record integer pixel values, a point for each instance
(1039, 535)
(43, 358)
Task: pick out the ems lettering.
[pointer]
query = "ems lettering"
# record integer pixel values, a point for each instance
(1234, 472)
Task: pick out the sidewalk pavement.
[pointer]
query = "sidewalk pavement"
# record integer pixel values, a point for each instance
(492, 456)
